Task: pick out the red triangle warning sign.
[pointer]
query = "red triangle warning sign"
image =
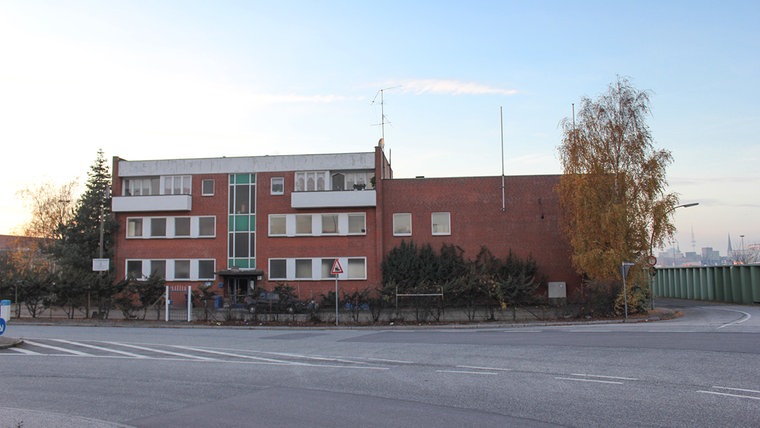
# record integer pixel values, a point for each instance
(336, 268)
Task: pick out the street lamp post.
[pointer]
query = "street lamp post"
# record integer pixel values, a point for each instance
(651, 244)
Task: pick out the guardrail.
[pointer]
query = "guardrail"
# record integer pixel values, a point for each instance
(731, 284)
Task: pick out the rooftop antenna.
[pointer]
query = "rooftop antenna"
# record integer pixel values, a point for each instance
(383, 119)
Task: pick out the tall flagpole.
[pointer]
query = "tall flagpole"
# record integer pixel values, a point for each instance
(501, 128)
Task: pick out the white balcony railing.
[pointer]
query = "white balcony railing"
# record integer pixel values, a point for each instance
(334, 199)
(121, 204)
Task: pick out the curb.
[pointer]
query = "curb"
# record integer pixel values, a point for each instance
(9, 342)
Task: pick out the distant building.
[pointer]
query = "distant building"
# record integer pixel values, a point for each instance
(248, 222)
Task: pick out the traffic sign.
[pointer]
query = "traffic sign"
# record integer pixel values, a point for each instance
(337, 269)
(2, 326)
(652, 260)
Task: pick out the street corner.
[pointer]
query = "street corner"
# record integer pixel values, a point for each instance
(9, 342)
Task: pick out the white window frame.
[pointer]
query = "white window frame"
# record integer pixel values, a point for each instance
(203, 187)
(402, 216)
(134, 232)
(269, 272)
(441, 215)
(284, 219)
(279, 182)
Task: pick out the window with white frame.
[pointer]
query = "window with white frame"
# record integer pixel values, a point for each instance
(303, 224)
(303, 269)
(278, 269)
(277, 186)
(277, 225)
(330, 224)
(206, 226)
(158, 268)
(177, 185)
(182, 226)
(357, 224)
(134, 227)
(402, 224)
(182, 269)
(134, 269)
(441, 223)
(207, 187)
(206, 269)
(357, 268)
(310, 181)
(326, 268)
(142, 186)
(157, 227)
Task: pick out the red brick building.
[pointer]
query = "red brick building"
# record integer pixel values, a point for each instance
(258, 221)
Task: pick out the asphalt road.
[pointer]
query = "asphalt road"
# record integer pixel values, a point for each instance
(702, 369)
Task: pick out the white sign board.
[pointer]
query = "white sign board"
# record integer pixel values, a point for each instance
(100, 265)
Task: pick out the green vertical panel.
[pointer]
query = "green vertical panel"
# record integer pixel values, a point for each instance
(253, 178)
(728, 294)
(230, 223)
(702, 275)
(242, 178)
(710, 283)
(736, 286)
(672, 290)
(666, 281)
(252, 223)
(746, 285)
(717, 278)
(754, 279)
(692, 288)
(240, 263)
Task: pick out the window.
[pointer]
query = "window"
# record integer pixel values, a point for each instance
(278, 269)
(207, 226)
(326, 268)
(182, 226)
(357, 269)
(158, 268)
(134, 269)
(441, 223)
(206, 269)
(177, 185)
(357, 224)
(143, 186)
(134, 227)
(329, 223)
(207, 187)
(310, 181)
(402, 224)
(157, 227)
(303, 224)
(278, 186)
(182, 269)
(303, 268)
(277, 225)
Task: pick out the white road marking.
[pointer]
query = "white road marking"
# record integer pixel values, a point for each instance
(725, 394)
(485, 368)
(745, 318)
(466, 372)
(737, 389)
(56, 348)
(588, 380)
(176, 354)
(230, 354)
(100, 348)
(24, 351)
(603, 377)
(383, 360)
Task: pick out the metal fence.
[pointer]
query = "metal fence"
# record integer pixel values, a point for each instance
(731, 284)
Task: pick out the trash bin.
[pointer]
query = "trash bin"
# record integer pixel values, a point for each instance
(218, 302)
(5, 309)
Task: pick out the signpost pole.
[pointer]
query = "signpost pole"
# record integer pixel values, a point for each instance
(336, 270)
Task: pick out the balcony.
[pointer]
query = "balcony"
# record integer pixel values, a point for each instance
(124, 204)
(336, 199)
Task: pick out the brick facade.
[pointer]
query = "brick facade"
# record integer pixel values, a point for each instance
(529, 224)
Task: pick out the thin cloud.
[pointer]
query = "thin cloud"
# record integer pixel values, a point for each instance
(451, 87)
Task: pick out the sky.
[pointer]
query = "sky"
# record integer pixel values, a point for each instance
(171, 79)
